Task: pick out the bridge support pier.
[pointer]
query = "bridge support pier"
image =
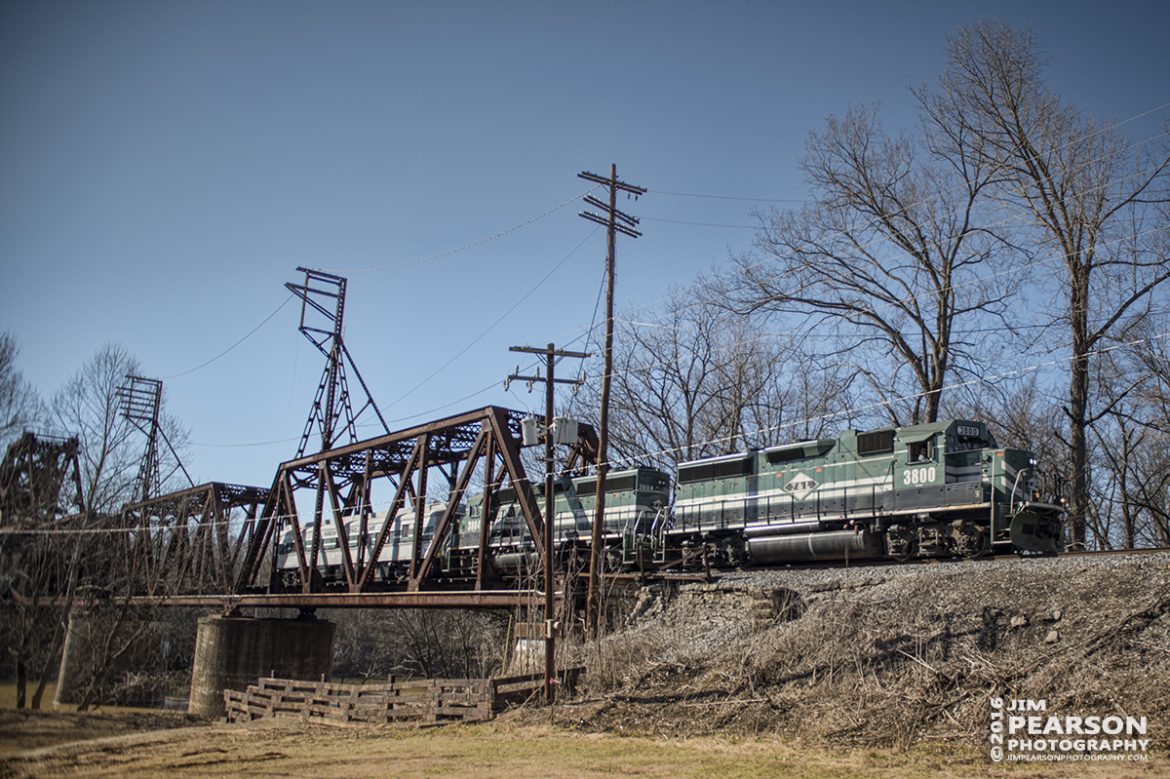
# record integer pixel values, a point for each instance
(117, 657)
(69, 674)
(232, 652)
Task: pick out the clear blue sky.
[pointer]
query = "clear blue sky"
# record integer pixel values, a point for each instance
(164, 166)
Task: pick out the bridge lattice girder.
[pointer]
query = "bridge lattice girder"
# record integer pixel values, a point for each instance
(345, 480)
(190, 541)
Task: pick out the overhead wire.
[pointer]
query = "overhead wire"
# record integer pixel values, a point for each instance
(856, 410)
(1006, 222)
(573, 199)
(589, 330)
(466, 247)
(499, 319)
(729, 197)
(698, 224)
(226, 351)
(879, 404)
(666, 192)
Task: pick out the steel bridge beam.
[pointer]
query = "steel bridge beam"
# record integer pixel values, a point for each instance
(486, 440)
(434, 599)
(190, 540)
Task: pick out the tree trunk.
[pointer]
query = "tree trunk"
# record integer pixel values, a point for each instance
(1078, 410)
(21, 683)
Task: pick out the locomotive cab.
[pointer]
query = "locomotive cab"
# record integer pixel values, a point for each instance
(957, 491)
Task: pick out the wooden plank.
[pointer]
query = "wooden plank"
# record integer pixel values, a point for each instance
(505, 680)
(418, 700)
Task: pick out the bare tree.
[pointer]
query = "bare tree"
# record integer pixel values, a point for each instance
(887, 264)
(20, 407)
(1096, 200)
(665, 383)
(1130, 490)
(693, 379)
(31, 562)
(89, 407)
(424, 643)
(53, 564)
(1023, 416)
(112, 449)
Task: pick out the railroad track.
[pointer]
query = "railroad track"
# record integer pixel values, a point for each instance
(693, 576)
(1139, 550)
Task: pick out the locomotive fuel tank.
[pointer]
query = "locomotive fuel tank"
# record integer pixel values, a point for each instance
(836, 545)
(511, 565)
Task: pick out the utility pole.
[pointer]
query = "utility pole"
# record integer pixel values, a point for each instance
(551, 354)
(615, 222)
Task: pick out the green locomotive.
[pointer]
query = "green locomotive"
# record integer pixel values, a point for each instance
(634, 499)
(944, 489)
(931, 490)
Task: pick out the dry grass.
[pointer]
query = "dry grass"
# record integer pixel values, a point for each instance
(893, 656)
(277, 748)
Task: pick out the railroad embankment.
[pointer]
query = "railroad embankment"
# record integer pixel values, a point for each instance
(891, 654)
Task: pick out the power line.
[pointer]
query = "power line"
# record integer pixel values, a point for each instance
(245, 337)
(906, 208)
(652, 303)
(852, 411)
(699, 224)
(466, 247)
(1035, 367)
(501, 318)
(731, 197)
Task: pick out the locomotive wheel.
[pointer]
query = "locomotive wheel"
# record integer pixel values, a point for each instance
(970, 541)
(901, 543)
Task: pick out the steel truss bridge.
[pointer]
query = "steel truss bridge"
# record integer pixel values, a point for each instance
(215, 544)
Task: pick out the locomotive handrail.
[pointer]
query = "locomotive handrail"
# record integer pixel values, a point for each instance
(658, 526)
(991, 493)
(626, 525)
(1015, 486)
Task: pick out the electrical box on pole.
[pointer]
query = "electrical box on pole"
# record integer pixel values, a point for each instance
(532, 430)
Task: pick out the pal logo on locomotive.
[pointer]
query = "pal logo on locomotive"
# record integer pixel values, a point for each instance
(800, 485)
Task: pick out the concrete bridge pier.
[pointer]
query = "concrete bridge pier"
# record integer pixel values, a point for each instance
(91, 656)
(79, 641)
(233, 651)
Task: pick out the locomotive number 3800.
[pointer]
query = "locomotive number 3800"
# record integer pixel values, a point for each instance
(912, 476)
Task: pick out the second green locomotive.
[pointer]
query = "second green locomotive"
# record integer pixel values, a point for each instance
(944, 489)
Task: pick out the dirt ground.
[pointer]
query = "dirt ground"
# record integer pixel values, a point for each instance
(866, 672)
(73, 745)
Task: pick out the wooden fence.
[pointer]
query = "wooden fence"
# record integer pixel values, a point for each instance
(423, 701)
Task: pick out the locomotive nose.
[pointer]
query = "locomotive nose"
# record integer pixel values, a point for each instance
(1034, 529)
